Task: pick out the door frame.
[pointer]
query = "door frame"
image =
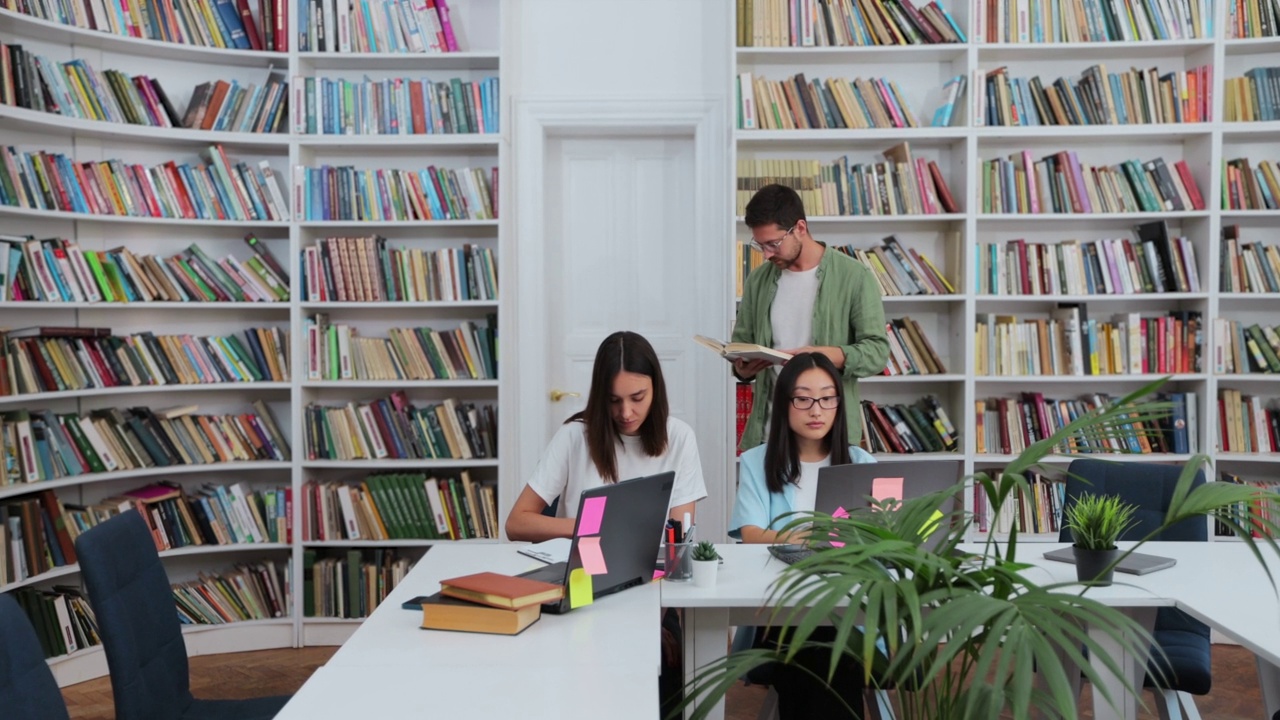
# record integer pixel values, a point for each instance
(522, 321)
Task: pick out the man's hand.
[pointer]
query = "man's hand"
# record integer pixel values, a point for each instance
(747, 369)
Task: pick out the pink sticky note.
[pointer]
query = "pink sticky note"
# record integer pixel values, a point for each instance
(886, 488)
(593, 513)
(839, 513)
(592, 557)
(658, 574)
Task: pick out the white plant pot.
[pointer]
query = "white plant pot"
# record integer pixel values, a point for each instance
(704, 572)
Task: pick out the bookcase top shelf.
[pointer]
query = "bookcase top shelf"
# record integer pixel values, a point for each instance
(49, 124)
(28, 398)
(88, 478)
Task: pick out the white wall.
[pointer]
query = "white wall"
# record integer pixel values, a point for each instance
(628, 50)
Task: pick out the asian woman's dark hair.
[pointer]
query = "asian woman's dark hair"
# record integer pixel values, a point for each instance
(630, 352)
(782, 455)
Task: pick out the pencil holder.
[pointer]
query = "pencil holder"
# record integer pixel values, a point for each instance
(678, 562)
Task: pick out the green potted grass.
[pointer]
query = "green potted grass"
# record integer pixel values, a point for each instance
(706, 562)
(1096, 522)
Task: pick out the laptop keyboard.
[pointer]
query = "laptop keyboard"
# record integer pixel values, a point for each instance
(790, 554)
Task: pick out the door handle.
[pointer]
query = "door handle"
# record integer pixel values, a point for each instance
(557, 395)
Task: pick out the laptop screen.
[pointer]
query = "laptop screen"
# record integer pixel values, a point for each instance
(858, 485)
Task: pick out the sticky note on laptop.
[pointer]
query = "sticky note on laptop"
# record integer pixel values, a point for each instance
(885, 488)
(592, 514)
(592, 556)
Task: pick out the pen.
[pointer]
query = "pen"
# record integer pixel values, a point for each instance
(688, 526)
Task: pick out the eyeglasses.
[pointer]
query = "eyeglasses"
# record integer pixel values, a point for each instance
(772, 246)
(800, 402)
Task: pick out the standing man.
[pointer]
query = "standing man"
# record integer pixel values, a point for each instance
(806, 298)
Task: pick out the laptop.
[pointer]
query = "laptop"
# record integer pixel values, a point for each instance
(1133, 563)
(631, 515)
(858, 485)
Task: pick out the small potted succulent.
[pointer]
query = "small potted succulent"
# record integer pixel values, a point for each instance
(1096, 522)
(706, 562)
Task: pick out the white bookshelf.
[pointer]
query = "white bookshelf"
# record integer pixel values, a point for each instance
(180, 68)
(950, 241)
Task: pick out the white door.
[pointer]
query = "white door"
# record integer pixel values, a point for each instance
(616, 252)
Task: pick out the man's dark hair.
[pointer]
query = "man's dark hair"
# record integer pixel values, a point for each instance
(775, 204)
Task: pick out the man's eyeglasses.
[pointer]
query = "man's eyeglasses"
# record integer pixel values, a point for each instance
(800, 402)
(773, 245)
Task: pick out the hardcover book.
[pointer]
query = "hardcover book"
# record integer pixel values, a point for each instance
(500, 591)
(440, 612)
(747, 351)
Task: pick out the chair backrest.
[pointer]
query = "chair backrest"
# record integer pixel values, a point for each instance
(137, 619)
(28, 690)
(1146, 485)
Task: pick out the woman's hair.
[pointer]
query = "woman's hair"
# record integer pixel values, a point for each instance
(782, 455)
(630, 352)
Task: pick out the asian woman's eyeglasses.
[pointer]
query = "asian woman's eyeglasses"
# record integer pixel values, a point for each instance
(800, 402)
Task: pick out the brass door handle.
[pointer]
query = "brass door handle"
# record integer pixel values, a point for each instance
(558, 395)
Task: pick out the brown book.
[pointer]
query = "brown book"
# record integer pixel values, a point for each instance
(500, 591)
(440, 612)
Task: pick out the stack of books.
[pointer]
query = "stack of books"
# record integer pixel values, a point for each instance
(487, 603)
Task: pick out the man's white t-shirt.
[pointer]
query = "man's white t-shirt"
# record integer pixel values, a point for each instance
(566, 469)
(791, 314)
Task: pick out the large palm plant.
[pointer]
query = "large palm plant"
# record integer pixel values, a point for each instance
(969, 635)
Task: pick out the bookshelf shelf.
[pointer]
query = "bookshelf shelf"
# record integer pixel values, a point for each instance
(850, 54)
(362, 225)
(397, 464)
(406, 384)
(31, 27)
(49, 124)
(903, 457)
(392, 543)
(142, 473)
(236, 307)
(1135, 50)
(28, 213)
(400, 61)
(355, 143)
(26, 398)
(1266, 458)
(952, 242)
(425, 304)
(54, 574)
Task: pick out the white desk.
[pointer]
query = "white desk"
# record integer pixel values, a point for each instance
(606, 655)
(1218, 583)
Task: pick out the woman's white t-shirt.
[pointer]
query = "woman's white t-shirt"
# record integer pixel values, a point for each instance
(806, 497)
(566, 470)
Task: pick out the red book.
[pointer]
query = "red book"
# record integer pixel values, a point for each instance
(503, 591)
(1189, 183)
(939, 184)
(250, 27)
(280, 17)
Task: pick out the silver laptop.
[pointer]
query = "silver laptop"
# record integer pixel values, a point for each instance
(1134, 563)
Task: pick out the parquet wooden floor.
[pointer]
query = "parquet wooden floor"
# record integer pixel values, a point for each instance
(1235, 693)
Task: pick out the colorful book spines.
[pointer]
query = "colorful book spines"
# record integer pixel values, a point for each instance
(842, 23)
(400, 506)
(393, 428)
(1008, 425)
(349, 193)
(365, 269)
(1061, 183)
(228, 24)
(376, 26)
(1047, 21)
(396, 106)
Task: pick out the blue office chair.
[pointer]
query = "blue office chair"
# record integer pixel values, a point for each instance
(1185, 666)
(28, 690)
(141, 635)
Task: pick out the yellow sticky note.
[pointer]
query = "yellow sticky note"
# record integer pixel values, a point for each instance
(592, 556)
(931, 524)
(580, 591)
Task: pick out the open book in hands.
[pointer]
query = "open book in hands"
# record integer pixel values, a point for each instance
(746, 351)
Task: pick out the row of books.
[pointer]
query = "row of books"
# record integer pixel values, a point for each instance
(1246, 424)
(394, 428)
(39, 445)
(375, 26)
(228, 105)
(58, 270)
(1037, 508)
(1243, 347)
(37, 537)
(52, 359)
(1009, 425)
(364, 269)
(213, 515)
(1242, 514)
(920, 427)
(75, 89)
(62, 617)
(1252, 267)
(349, 193)
(1051, 21)
(1254, 97)
(901, 271)
(1107, 266)
(350, 585)
(222, 24)
(1250, 188)
(215, 190)
(252, 591)
(335, 352)
(1060, 183)
(1253, 18)
(843, 23)
(1096, 98)
(836, 103)
(395, 106)
(402, 506)
(900, 186)
(910, 352)
(1066, 344)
